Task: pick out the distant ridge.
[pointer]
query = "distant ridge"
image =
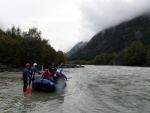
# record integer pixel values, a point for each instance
(76, 48)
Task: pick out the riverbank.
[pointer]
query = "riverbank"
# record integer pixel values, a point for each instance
(71, 66)
(4, 68)
(9, 68)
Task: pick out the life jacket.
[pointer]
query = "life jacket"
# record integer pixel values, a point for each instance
(47, 75)
(32, 72)
(23, 73)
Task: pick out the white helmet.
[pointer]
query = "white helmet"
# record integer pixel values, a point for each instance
(34, 64)
(58, 71)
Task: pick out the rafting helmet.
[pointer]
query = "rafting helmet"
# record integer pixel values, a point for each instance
(59, 71)
(34, 64)
(27, 65)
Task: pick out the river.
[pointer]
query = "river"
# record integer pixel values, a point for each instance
(93, 89)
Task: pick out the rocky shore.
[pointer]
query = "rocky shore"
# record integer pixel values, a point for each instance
(7, 68)
(71, 66)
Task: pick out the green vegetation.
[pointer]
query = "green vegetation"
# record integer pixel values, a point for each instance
(17, 48)
(136, 54)
(125, 44)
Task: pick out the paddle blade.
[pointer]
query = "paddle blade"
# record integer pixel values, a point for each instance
(28, 90)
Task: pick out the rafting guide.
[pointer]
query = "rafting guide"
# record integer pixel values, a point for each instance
(25, 76)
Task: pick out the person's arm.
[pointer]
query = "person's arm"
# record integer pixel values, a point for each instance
(36, 70)
(51, 77)
(43, 74)
(64, 76)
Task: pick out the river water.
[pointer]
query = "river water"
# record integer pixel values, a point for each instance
(93, 89)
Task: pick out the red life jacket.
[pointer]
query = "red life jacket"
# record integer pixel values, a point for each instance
(47, 75)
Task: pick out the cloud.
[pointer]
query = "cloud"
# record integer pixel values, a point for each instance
(66, 22)
(100, 14)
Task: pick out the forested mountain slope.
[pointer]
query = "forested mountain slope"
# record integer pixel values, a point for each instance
(116, 38)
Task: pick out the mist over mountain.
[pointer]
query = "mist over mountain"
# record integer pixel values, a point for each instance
(116, 38)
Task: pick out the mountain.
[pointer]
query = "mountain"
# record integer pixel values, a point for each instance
(116, 38)
(77, 47)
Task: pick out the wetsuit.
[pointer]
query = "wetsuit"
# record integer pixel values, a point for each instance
(26, 74)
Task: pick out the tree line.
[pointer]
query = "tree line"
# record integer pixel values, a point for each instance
(20, 47)
(137, 54)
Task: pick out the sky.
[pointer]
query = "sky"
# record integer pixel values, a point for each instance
(66, 22)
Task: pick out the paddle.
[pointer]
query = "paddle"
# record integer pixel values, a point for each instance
(60, 65)
(28, 90)
(69, 78)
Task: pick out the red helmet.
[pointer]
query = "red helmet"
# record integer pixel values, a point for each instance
(27, 65)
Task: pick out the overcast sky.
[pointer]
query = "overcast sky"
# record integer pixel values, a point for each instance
(67, 22)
